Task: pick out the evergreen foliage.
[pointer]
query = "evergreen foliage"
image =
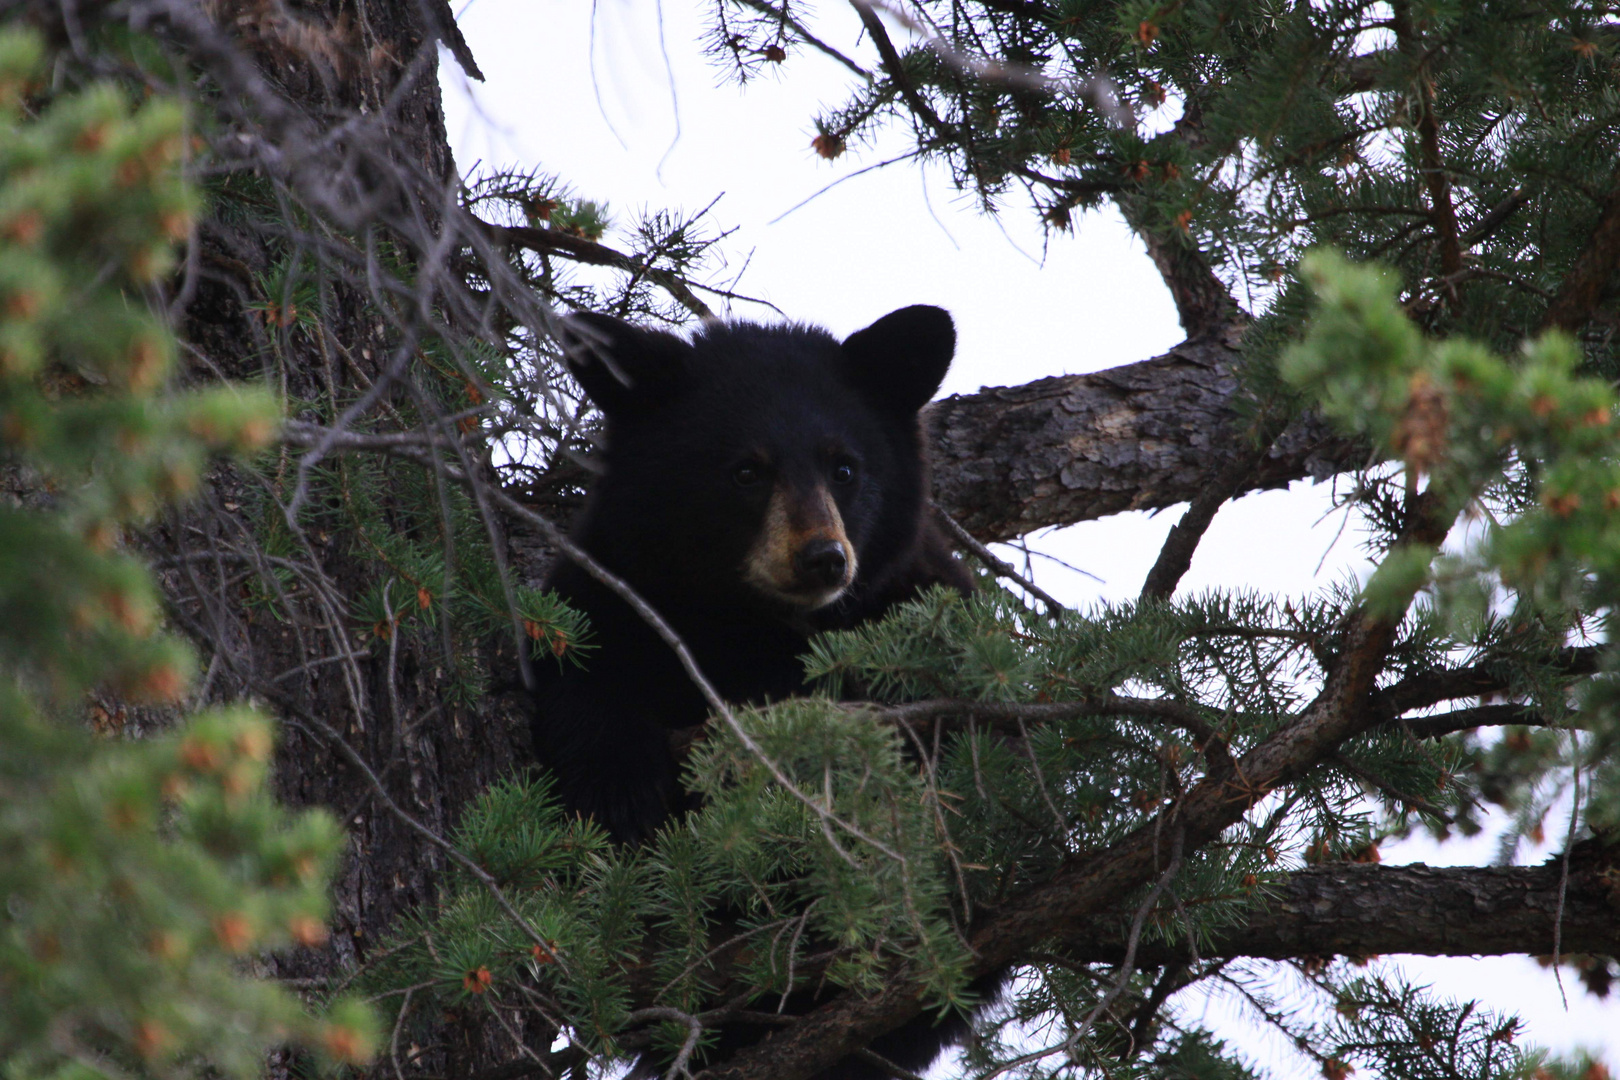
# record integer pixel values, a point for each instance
(1000, 744)
(966, 760)
(139, 876)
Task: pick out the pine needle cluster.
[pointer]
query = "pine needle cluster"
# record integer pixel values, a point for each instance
(138, 876)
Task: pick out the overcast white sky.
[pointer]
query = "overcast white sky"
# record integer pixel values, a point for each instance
(898, 236)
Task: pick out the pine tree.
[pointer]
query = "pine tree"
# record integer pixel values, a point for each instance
(1390, 231)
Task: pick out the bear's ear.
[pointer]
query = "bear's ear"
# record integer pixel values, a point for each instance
(622, 367)
(900, 360)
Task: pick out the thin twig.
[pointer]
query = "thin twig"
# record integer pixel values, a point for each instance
(1563, 870)
(1128, 965)
(806, 36)
(995, 564)
(1175, 557)
(872, 1057)
(1373, 780)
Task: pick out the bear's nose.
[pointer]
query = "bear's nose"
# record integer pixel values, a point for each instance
(821, 562)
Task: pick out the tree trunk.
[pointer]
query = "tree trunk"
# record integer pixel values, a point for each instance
(347, 708)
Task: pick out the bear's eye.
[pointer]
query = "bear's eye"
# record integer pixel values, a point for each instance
(843, 473)
(746, 475)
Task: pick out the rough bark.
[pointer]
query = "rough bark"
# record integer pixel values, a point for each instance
(1361, 910)
(1010, 460)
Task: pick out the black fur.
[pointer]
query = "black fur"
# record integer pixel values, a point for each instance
(668, 516)
(701, 437)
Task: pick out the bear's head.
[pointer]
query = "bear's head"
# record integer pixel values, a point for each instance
(764, 464)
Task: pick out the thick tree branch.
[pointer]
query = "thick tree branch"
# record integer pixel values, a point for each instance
(1204, 305)
(1010, 460)
(1449, 723)
(1354, 909)
(1487, 677)
(1442, 211)
(1362, 910)
(1495, 217)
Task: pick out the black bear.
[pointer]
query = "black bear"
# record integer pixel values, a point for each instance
(759, 484)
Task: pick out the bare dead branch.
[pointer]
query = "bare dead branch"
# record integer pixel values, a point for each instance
(589, 251)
